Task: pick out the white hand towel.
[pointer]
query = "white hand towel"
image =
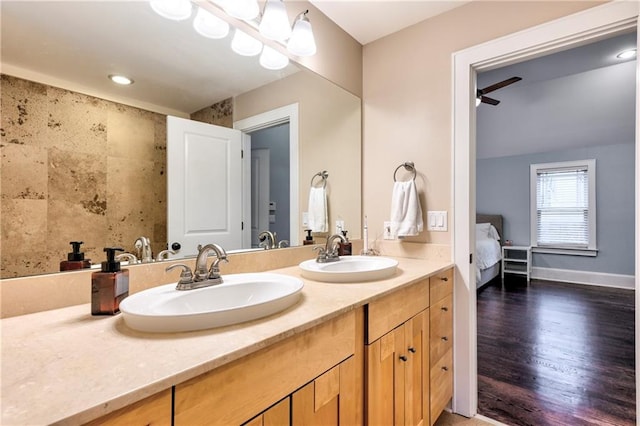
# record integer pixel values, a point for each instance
(406, 213)
(318, 217)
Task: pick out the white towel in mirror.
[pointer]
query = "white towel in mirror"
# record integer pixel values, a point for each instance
(406, 213)
(317, 215)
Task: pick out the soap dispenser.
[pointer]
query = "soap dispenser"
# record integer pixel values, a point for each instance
(344, 249)
(75, 259)
(308, 239)
(109, 285)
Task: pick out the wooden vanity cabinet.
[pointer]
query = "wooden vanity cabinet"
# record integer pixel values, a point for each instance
(152, 411)
(397, 362)
(441, 342)
(315, 370)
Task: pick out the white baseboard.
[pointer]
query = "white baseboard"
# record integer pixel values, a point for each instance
(584, 277)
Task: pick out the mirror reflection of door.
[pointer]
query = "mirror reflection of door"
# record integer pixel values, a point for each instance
(270, 209)
(204, 185)
(259, 193)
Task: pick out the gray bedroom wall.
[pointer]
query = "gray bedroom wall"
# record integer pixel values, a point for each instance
(503, 188)
(277, 140)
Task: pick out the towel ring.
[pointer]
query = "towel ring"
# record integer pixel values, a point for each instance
(409, 166)
(323, 175)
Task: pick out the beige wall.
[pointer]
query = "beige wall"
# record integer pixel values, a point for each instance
(407, 92)
(329, 139)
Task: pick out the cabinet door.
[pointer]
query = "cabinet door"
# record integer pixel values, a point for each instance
(278, 415)
(385, 379)
(328, 400)
(416, 402)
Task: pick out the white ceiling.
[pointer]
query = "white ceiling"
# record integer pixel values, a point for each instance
(369, 20)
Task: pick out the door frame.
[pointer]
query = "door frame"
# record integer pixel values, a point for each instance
(286, 114)
(567, 32)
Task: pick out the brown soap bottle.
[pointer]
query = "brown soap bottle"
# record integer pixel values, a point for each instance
(344, 249)
(109, 285)
(75, 259)
(308, 240)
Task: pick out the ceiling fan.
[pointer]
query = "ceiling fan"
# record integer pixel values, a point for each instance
(480, 93)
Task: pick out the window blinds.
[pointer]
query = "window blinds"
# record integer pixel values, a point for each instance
(563, 207)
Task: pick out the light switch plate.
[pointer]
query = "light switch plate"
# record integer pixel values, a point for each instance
(386, 233)
(437, 221)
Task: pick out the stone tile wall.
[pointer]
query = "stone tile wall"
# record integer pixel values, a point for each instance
(75, 167)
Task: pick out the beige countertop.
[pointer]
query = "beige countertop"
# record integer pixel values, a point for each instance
(65, 366)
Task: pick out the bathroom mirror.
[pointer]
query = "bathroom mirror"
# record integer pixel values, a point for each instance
(85, 160)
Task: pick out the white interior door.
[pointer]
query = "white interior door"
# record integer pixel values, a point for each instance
(204, 185)
(260, 190)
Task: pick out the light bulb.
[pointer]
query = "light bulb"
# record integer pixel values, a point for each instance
(245, 45)
(209, 25)
(275, 21)
(120, 79)
(271, 59)
(302, 42)
(242, 9)
(177, 10)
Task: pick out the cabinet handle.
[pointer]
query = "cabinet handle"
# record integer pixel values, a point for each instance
(444, 279)
(444, 309)
(403, 358)
(444, 338)
(412, 350)
(445, 368)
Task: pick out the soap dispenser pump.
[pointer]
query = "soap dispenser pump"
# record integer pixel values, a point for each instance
(344, 249)
(75, 259)
(308, 239)
(109, 286)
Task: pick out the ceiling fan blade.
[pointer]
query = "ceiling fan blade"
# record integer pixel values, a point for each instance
(499, 85)
(489, 101)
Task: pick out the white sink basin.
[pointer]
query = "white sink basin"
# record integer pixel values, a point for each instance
(350, 269)
(240, 298)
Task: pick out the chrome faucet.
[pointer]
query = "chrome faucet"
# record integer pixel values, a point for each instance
(164, 254)
(201, 277)
(201, 273)
(267, 240)
(143, 247)
(330, 252)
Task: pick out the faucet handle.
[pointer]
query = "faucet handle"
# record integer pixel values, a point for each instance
(214, 270)
(186, 276)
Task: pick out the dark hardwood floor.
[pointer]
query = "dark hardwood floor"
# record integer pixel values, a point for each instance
(556, 354)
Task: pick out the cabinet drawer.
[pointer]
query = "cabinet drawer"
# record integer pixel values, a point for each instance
(247, 386)
(441, 285)
(390, 311)
(441, 384)
(441, 327)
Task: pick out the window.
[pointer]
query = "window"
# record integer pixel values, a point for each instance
(563, 207)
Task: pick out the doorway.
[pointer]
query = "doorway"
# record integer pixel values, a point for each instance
(574, 30)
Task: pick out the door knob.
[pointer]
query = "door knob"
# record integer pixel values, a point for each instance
(176, 246)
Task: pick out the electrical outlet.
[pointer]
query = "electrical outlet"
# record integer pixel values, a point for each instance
(386, 234)
(305, 219)
(339, 226)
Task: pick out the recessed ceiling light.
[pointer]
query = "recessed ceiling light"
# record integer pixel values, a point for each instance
(120, 79)
(627, 54)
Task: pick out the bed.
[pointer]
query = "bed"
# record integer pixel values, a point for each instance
(488, 247)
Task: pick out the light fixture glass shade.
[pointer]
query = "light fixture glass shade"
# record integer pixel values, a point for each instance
(209, 25)
(271, 59)
(302, 42)
(275, 21)
(627, 54)
(242, 9)
(245, 45)
(177, 10)
(120, 79)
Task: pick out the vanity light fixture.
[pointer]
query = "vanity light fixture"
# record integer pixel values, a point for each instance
(209, 25)
(302, 42)
(627, 54)
(274, 24)
(271, 59)
(176, 10)
(120, 79)
(242, 9)
(245, 45)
